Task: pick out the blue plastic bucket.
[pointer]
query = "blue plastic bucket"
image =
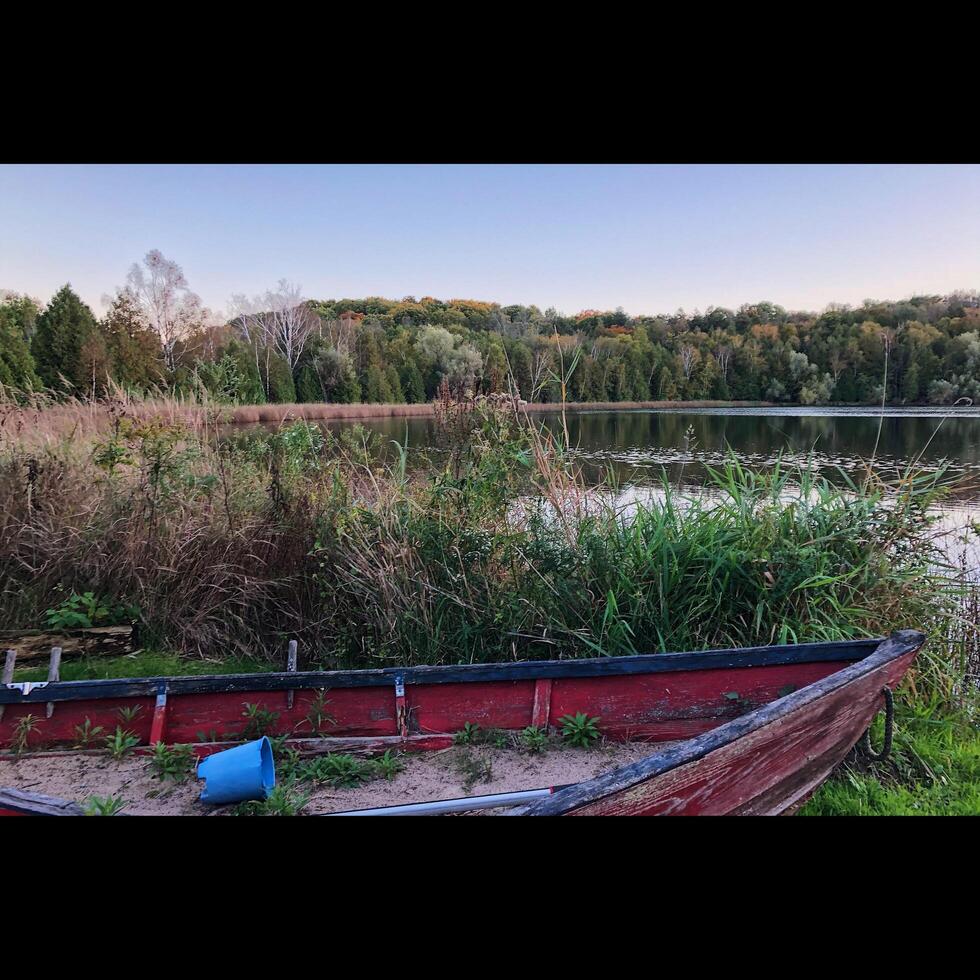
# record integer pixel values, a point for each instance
(245, 772)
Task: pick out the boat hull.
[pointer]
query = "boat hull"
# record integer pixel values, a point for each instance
(760, 728)
(765, 763)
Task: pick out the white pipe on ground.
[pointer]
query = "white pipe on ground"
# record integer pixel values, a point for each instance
(459, 805)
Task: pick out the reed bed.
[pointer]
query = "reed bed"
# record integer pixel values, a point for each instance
(39, 417)
(227, 545)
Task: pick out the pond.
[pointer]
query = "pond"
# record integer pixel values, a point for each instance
(639, 446)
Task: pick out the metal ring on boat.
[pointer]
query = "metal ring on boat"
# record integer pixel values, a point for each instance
(889, 730)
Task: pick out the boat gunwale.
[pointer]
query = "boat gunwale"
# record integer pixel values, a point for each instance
(899, 644)
(649, 663)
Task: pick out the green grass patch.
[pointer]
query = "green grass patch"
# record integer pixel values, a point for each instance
(934, 770)
(143, 664)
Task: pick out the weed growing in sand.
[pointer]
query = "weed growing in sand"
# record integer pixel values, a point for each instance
(103, 806)
(473, 769)
(174, 762)
(259, 721)
(533, 739)
(338, 770)
(579, 729)
(469, 734)
(120, 743)
(22, 732)
(388, 765)
(284, 801)
(128, 715)
(86, 734)
(317, 715)
(288, 761)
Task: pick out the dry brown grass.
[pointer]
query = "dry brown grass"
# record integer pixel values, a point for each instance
(42, 420)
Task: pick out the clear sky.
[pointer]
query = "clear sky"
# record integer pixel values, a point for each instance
(651, 239)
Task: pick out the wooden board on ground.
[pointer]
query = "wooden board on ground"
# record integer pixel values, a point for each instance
(100, 641)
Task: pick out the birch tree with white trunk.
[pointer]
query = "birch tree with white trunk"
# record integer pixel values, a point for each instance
(161, 291)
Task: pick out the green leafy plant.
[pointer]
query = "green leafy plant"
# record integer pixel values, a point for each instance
(86, 734)
(127, 715)
(288, 760)
(173, 762)
(469, 734)
(338, 770)
(259, 721)
(103, 806)
(579, 729)
(23, 730)
(388, 765)
(284, 801)
(533, 739)
(317, 714)
(120, 743)
(85, 610)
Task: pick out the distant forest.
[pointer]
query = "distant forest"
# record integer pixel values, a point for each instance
(284, 347)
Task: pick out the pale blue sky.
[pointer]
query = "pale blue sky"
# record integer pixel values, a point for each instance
(648, 238)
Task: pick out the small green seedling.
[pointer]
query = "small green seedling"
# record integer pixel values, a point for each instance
(259, 721)
(284, 801)
(288, 761)
(317, 715)
(389, 765)
(174, 762)
(86, 734)
(498, 739)
(120, 743)
(474, 769)
(22, 732)
(533, 739)
(579, 729)
(468, 735)
(128, 715)
(103, 806)
(338, 770)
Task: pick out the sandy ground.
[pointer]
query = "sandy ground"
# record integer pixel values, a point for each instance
(426, 776)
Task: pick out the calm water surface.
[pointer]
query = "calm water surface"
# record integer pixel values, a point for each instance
(640, 445)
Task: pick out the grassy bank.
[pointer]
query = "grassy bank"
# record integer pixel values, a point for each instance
(227, 547)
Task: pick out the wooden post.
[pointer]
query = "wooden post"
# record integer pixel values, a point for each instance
(541, 711)
(291, 666)
(158, 726)
(8, 673)
(54, 673)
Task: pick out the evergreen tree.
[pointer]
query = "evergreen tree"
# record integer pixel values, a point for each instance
(61, 332)
(308, 388)
(133, 348)
(413, 387)
(278, 379)
(16, 363)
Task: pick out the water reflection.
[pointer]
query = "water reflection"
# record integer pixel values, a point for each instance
(639, 446)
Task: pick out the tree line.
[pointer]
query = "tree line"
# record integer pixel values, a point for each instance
(281, 346)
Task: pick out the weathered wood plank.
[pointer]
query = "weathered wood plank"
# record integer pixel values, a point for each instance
(100, 641)
(468, 673)
(541, 711)
(16, 802)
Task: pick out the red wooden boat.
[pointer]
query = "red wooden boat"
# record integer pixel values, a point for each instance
(760, 727)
